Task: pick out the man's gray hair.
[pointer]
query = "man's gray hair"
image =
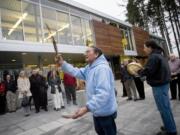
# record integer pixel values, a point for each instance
(97, 50)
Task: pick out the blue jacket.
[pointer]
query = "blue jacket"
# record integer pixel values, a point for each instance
(101, 100)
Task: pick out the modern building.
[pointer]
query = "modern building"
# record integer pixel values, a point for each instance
(26, 42)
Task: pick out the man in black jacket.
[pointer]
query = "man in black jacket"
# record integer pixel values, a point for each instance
(158, 76)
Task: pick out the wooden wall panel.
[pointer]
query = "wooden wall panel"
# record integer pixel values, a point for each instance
(140, 37)
(108, 38)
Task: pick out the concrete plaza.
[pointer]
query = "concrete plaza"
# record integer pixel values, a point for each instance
(134, 118)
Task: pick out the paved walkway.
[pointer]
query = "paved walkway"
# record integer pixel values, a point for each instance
(134, 118)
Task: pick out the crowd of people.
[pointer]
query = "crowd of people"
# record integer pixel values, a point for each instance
(33, 90)
(135, 84)
(100, 89)
(101, 101)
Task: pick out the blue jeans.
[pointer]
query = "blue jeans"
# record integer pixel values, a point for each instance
(161, 97)
(105, 125)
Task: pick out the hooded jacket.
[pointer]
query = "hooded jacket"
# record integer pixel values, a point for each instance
(99, 79)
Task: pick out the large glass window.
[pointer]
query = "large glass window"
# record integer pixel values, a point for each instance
(87, 33)
(49, 18)
(63, 28)
(32, 23)
(11, 19)
(127, 39)
(21, 20)
(77, 30)
(56, 4)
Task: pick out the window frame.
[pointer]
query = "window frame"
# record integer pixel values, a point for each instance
(72, 29)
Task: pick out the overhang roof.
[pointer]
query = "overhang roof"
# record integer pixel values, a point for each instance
(93, 11)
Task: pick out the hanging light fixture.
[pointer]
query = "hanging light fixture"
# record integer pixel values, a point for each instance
(17, 23)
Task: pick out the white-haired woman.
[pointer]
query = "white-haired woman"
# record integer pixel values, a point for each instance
(24, 92)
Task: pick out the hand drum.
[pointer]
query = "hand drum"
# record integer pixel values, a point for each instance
(133, 68)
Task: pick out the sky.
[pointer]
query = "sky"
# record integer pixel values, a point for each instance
(111, 7)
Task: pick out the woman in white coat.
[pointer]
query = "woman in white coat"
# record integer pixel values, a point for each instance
(24, 92)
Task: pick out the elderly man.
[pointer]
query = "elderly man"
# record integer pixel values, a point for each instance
(174, 64)
(101, 99)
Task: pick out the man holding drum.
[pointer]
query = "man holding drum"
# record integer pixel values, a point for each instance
(158, 75)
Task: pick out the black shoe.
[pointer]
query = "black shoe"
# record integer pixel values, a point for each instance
(129, 99)
(162, 128)
(141, 99)
(135, 99)
(74, 103)
(166, 133)
(26, 115)
(175, 133)
(55, 109)
(45, 109)
(162, 133)
(37, 111)
(2, 113)
(62, 107)
(173, 98)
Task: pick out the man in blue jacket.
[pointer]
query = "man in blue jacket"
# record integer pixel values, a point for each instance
(101, 99)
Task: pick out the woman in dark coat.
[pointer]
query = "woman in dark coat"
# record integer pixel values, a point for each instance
(36, 86)
(43, 91)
